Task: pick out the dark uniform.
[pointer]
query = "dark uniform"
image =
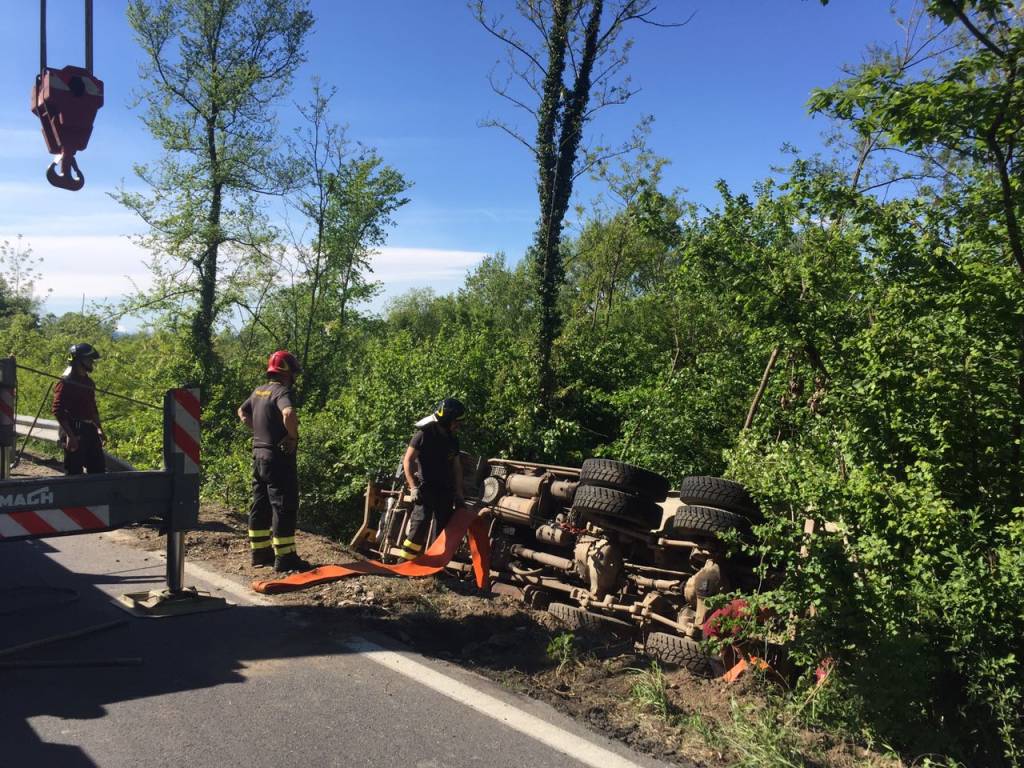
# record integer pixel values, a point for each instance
(74, 406)
(437, 449)
(275, 482)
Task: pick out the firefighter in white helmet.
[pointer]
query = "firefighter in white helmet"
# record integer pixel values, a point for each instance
(433, 474)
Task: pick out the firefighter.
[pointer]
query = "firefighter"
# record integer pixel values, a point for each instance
(433, 474)
(270, 414)
(74, 407)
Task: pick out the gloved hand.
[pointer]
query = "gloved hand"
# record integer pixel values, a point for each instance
(459, 502)
(290, 444)
(414, 495)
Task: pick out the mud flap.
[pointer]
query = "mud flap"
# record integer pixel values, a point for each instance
(429, 563)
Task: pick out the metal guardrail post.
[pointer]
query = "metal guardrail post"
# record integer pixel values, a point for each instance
(181, 458)
(8, 383)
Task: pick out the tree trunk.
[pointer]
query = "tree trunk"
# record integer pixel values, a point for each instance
(555, 164)
(205, 316)
(765, 378)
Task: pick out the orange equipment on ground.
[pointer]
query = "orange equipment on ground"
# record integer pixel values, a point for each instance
(429, 563)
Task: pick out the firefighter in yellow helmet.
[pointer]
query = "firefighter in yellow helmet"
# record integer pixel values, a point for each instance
(270, 413)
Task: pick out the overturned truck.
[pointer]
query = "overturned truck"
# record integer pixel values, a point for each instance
(606, 543)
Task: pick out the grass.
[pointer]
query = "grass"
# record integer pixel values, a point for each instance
(760, 738)
(649, 691)
(562, 651)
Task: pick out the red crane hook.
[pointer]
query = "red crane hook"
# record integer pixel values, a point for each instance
(66, 101)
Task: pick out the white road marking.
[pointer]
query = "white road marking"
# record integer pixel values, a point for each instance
(560, 740)
(240, 592)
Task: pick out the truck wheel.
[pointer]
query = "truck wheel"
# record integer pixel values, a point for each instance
(720, 493)
(609, 473)
(574, 617)
(680, 651)
(706, 521)
(608, 502)
(571, 616)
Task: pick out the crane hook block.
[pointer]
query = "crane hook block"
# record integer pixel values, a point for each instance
(66, 102)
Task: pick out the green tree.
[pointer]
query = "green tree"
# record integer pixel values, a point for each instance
(348, 199)
(213, 70)
(561, 78)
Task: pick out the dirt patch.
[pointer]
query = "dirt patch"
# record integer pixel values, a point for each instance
(591, 676)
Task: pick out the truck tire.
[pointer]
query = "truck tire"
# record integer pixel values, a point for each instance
(720, 493)
(596, 500)
(574, 617)
(706, 521)
(679, 651)
(609, 473)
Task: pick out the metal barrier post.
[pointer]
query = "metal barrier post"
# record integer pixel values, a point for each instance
(181, 460)
(8, 383)
(181, 457)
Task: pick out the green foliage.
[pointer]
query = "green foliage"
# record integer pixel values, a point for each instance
(562, 650)
(756, 739)
(649, 691)
(19, 271)
(212, 70)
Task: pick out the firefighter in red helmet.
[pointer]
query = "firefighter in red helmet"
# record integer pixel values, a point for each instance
(270, 414)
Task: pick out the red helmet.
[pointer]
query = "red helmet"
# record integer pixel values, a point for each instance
(283, 361)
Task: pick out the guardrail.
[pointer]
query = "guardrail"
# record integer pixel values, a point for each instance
(48, 430)
(41, 429)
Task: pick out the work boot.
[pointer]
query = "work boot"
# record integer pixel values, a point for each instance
(291, 562)
(410, 550)
(263, 556)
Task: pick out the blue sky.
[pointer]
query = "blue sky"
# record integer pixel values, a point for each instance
(726, 91)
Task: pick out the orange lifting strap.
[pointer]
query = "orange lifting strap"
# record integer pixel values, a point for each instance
(430, 562)
(66, 102)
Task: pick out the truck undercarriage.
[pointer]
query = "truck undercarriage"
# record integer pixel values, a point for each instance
(603, 544)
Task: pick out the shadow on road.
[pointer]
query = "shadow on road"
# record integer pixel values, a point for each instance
(178, 654)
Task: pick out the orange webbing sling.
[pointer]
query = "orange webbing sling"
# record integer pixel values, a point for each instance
(430, 562)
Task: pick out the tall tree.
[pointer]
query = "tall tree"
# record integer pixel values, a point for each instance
(213, 70)
(568, 66)
(349, 203)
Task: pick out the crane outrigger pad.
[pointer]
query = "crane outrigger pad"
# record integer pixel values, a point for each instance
(161, 603)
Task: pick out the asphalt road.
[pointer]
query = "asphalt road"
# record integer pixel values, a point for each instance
(251, 686)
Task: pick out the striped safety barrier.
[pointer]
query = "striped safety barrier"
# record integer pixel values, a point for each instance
(186, 427)
(6, 407)
(52, 522)
(38, 507)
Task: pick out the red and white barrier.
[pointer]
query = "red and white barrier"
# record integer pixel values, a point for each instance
(185, 430)
(51, 522)
(6, 407)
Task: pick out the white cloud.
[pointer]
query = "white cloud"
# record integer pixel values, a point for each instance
(105, 266)
(98, 266)
(435, 267)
